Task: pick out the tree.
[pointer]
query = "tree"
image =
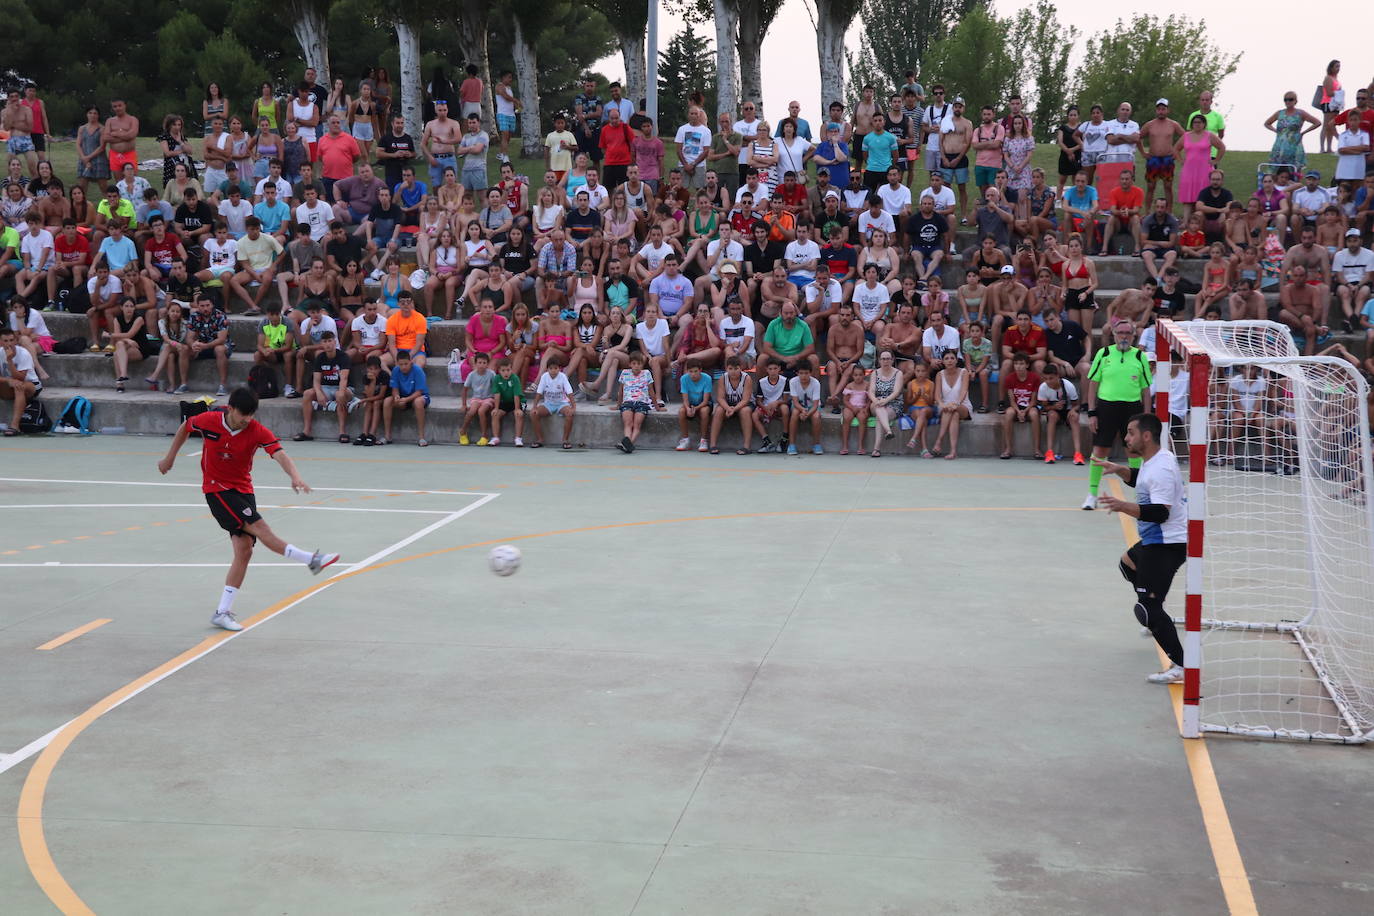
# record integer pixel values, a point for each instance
(755, 18)
(832, 20)
(909, 28)
(684, 67)
(1046, 44)
(526, 15)
(406, 17)
(568, 40)
(470, 16)
(727, 30)
(629, 19)
(977, 60)
(1149, 58)
(310, 24)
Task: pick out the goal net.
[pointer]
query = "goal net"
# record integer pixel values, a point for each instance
(1281, 534)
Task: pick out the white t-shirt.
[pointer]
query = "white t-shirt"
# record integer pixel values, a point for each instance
(1159, 483)
(1247, 391)
(1352, 268)
(943, 200)
(835, 293)
(894, 199)
(221, 257)
(112, 286)
(1065, 396)
(34, 246)
(1312, 200)
(1121, 127)
(797, 250)
(734, 251)
(760, 193)
(939, 343)
(505, 106)
(1350, 166)
(597, 196)
(317, 219)
(746, 130)
(733, 332)
(868, 222)
(792, 157)
(805, 396)
(870, 300)
(234, 216)
(933, 119)
(556, 391)
(36, 325)
(652, 338)
(693, 139)
(653, 257)
(769, 392)
(23, 362)
(313, 331)
(283, 188)
(371, 335)
(298, 112)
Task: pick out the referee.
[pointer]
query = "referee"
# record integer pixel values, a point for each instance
(1161, 514)
(1118, 389)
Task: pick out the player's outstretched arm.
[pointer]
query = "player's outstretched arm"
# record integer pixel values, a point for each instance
(1120, 470)
(165, 465)
(289, 466)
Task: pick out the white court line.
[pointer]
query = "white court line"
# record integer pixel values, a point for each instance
(9, 761)
(195, 454)
(160, 483)
(202, 506)
(53, 564)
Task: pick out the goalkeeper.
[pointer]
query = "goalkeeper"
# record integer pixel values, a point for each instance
(1118, 389)
(1161, 514)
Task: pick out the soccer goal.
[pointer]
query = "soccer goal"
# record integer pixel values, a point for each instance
(1280, 537)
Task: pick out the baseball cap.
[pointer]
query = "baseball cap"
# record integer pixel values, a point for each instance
(1352, 231)
(1161, 101)
(958, 100)
(1008, 270)
(834, 194)
(1312, 173)
(832, 126)
(730, 269)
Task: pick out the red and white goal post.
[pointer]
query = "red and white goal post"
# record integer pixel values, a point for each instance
(1280, 534)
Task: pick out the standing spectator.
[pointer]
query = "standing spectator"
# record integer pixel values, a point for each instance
(1215, 122)
(1332, 100)
(1363, 112)
(121, 134)
(439, 88)
(1287, 125)
(559, 145)
(1158, 137)
(988, 138)
(747, 127)
(1123, 135)
(1070, 148)
(266, 106)
(396, 149)
(470, 94)
(473, 149)
(803, 126)
(1353, 146)
(363, 122)
(306, 114)
(1093, 134)
(1197, 148)
(586, 111)
(507, 107)
(34, 104)
(616, 141)
(693, 142)
(337, 154)
(17, 119)
(91, 162)
(1017, 149)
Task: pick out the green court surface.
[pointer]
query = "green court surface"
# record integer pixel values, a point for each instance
(718, 685)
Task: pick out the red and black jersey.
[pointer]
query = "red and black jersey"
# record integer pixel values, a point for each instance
(226, 460)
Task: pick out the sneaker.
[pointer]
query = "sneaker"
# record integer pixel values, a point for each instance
(463, 440)
(519, 443)
(483, 441)
(1001, 406)
(1090, 503)
(791, 450)
(182, 389)
(225, 620)
(703, 446)
(1049, 457)
(493, 441)
(768, 449)
(221, 391)
(354, 403)
(682, 444)
(290, 392)
(331, 407)
(817, 450)
(1174, 675)
(320, 560)
(376, 275)
(1078, 458)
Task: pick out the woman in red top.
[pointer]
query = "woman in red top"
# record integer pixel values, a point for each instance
(232, 438)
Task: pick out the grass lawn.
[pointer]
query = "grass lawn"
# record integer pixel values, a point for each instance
(1240, 166)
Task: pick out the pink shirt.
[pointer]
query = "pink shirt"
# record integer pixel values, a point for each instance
(648, 155)
(470, 90)
(982, 133)
(337, 154)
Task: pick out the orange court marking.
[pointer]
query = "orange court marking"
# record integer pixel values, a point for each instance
(73, 634)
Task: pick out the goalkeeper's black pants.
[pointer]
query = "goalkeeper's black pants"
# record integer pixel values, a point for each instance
(1155, 566)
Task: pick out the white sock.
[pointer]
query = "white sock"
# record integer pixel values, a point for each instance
(300, 556)
(226, 601)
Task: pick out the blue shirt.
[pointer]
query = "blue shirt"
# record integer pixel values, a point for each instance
(407, 383)
(118, 253)
(803, 128)
(1084, 201)
(273, 217)
(879, 148)
(694, 392)
(410, 198)
(839, 173)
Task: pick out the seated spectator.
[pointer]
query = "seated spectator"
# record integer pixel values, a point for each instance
(1302, 306)
(207, 337)
(1081, 211)
(951, 395)
(1160, 230)
(277, 347)
(409, 391)
(552, 398)
(18, 379)
(1192, 241)
(1057, 400)
(1353, 271)
(1124, 205)
(1021, 386)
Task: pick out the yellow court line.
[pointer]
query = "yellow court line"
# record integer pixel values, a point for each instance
(1235, 883)
(73, 634)
(32, 837)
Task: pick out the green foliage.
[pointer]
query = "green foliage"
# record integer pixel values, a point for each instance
(1149, 57)
(977, 60)
(909, 28)
(687, 64)
(568, 39)
(1045, 44)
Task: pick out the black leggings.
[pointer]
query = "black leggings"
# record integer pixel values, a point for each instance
(1155, 566)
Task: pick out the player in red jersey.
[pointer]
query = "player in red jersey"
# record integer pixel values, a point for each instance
(231, 439)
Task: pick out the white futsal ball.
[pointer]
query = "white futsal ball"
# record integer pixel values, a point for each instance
(504, 560)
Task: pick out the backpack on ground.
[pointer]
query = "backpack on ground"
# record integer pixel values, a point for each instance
(195, 408)
(35, 418)
(75, 417)
(69, 345)
(262, 380)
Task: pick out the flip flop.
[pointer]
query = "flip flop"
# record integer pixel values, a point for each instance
(536, 445)
(302, 437)
(567, 446)
(344, 439)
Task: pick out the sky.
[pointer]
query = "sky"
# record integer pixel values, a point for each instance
(1245, 99)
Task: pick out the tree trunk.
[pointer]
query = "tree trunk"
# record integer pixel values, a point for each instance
(527, 79)
(310, 26)
(471, 23)
(750, 69)
(408, 42)
(830, 49)
(727, 89)
(632, 50)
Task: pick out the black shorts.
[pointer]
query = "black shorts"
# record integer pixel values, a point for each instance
(40, 143)
(233, 509)
(1112, 419)
(1156, 565)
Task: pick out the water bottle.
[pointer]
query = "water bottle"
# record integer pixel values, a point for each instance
(112, 430)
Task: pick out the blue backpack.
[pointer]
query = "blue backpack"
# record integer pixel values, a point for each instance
(76, 416)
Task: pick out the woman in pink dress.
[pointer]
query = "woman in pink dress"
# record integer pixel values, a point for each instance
(1195, 149)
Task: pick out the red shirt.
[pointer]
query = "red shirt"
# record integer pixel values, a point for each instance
(1119, 198)
(793, 196)
(226, 460)
(1022, 390)
(77, 252)
(618, 142)
(337, 155)
(512, 192)
(470, 90)
(1026, 343)
(164, 252)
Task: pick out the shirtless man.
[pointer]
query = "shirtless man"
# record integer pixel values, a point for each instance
(1004, 299)
(1158, 136)
(775, 290)
(1247, 303)
(440, 138)
(862, 123)
(121, 132)
(955, 139)
(1314, 259)
(1133, 305)
(845, 346)
(1302, 309)
(17, 118)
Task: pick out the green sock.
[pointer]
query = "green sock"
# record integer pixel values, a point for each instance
(1136, 462)
(1094, 478)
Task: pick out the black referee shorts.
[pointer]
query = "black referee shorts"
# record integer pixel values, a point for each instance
(233, 509)
(1112, 419)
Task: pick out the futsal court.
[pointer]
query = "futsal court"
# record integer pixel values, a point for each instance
(717, 685)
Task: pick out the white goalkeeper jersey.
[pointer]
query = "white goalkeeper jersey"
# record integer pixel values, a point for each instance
(1160, 483)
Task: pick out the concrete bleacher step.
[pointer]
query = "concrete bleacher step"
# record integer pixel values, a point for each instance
(149, 413)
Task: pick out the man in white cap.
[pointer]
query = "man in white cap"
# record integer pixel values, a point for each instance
(1157, 137)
